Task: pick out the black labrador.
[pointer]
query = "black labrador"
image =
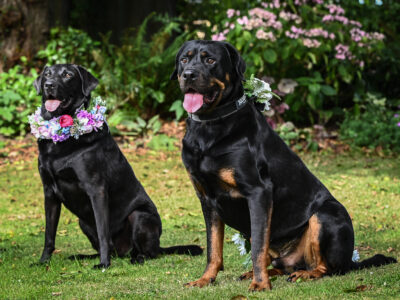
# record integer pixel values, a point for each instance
(93, 179)
(248, 178)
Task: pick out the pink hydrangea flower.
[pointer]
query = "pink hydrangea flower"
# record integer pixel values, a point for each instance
(218, 37)
(230, 13)
(311, 43)
(262, 35)
(243, 21)
(335, 9)
(343, 52)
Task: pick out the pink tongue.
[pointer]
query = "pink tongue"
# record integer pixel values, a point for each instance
(51, 105)
(192, 102)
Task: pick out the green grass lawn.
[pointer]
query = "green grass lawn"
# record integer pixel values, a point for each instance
(369, 187)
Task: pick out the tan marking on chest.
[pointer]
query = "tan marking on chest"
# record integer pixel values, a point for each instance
(228, 182)
(227, 175)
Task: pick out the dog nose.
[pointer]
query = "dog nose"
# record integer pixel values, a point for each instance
(190, 74)
(49, 85)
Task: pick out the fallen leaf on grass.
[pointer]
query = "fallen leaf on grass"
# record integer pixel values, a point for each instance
(360, 288)
(56, 294)
(239, 297)
(390, 249)
(62, 232)
(363, 287)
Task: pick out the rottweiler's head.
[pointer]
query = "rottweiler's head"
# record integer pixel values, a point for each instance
(210, 73)
(64, 88)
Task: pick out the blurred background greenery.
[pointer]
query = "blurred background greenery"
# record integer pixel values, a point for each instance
(335, 63)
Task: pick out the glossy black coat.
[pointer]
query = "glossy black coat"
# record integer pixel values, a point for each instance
(267, 174)
(91, 177)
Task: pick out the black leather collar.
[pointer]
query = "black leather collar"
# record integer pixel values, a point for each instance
(221, 111)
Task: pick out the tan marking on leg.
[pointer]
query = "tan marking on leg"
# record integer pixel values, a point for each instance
(275, 272)
(271, 272)
(312, 253)
(227, 77)
(216, 257)
(197, 186)
(273, 253)
(263, 261)
(293, 252)
(246, 275)
(234, 193)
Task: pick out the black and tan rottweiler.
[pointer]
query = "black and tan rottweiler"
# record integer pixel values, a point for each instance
(248, 178)
(93, 179)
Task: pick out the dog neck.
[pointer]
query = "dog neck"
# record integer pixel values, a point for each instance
(221, 112)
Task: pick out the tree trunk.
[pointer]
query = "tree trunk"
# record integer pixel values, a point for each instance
(24, 27)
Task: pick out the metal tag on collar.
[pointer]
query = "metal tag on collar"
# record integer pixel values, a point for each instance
(194, 117)
(242, 101)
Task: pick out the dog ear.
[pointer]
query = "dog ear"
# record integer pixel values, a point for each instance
(38, 81)
(89, 82)
(174, 75)
(237, 60)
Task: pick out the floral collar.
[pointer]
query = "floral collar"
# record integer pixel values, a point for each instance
(63, 127)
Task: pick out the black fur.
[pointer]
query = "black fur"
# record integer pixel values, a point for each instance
(93, 179)
(266, 175)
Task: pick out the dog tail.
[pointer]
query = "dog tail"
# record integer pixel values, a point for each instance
(374, 261)
(192, 250)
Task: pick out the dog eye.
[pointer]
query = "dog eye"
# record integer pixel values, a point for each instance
(47, 74)
(184, 60)
(67, 75)
(210, 61)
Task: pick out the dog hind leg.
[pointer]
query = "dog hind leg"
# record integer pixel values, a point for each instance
(146, 231)
(92, 236)
(329, 243)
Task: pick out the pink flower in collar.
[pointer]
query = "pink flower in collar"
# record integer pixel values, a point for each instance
(66, 120)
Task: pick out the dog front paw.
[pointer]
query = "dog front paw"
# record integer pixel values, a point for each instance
(102, 266)
(256, 286)
(200, 283)
(40, 263)
(139, 259)
(246, 276)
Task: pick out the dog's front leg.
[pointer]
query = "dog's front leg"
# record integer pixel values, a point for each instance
(215, 241)
(52, 209)
(99, 200)
(260, 205)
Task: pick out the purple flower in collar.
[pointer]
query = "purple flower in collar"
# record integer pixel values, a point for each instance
(61, 128)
